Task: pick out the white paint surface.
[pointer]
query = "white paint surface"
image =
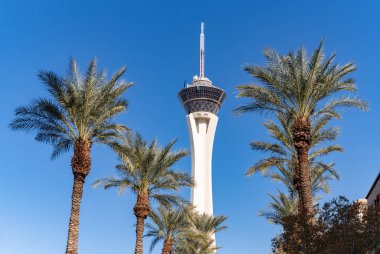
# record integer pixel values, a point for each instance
(202, 127)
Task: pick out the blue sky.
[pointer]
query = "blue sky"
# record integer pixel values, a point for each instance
(158, 41)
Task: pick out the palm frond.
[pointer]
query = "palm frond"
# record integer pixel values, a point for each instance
(82, 106)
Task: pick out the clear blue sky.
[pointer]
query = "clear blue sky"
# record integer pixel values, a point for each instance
(158, 41)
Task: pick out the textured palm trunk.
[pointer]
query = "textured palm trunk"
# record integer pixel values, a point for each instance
(168, 246)
(141, 211)
(81, 165)
(301, 131)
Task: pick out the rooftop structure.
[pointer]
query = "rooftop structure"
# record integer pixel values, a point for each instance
(373, 196)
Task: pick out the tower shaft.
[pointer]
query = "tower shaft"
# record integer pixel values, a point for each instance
(202, 127)
(202, 100)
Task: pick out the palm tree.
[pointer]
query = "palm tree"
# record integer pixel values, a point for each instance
(198, 238)
(297, 87)
(167, 225)
(79, 114)
(147, 171)
(283, 155)
(281, 206)
(283, 159)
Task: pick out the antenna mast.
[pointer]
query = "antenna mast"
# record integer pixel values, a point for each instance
(202, 52)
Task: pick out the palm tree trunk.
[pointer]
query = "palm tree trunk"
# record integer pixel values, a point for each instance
(72, 239)
(81, 165)
(304, 184)
(168, 246)
(301, 131)
(141, 211)
(139, 235)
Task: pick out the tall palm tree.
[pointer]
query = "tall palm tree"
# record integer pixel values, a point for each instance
(198, 237)
(283, 159)
(147, 171)
(301, 88)
(167, 225)
(79, 114)
(283, 155)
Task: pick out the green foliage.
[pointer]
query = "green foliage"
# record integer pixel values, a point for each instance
(340, 226)
(304, 89)
(372, 228)
(280, 207)
(167, 223)
(81, 106)
(283, 156)
(148, 168)
(190, 231)
(298, 86)
(198, 237)
(281, 164)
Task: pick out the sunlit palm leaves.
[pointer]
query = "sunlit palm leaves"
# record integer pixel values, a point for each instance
(167, 224)
(299, 86)
(81, 106)
(302, 90)
(148, 168)
(280, 207)
(198, 237)
(282, 160)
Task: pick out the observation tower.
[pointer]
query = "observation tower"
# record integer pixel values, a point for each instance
(201, 100)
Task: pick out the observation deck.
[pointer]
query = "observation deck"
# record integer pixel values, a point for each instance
(201, 96)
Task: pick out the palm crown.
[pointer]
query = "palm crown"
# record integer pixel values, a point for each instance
(82, 108)
(295, 85)
(280, 207)
(184, 230)
(146, 168)
(166, 225)
(198, 237)
(283, 156)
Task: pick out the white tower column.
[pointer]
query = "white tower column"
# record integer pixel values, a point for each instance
(202, 127)
(202, 100)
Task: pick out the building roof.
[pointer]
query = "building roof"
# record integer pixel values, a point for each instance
(373, 185)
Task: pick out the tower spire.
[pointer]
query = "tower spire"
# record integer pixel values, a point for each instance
(202, 52)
